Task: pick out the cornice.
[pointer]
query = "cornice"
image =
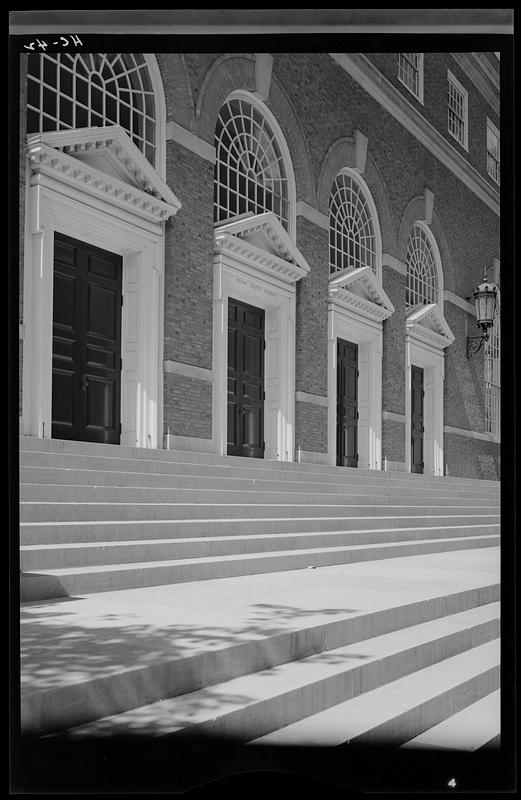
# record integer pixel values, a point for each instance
(480, 71)
(103, 162)
(359, 289)
(419, 321)
(226, 243)
(371, 79)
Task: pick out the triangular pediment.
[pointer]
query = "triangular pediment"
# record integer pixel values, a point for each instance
(107, 160)
(427, 322)
(261, 238)
(361, 290)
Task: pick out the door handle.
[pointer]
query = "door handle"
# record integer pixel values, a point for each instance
(85, 383)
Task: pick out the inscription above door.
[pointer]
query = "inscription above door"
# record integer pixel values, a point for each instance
(86, 368)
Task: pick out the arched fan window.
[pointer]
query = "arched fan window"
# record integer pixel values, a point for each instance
(250, 170)
(93, 89)
(422, 269)
(352, 226)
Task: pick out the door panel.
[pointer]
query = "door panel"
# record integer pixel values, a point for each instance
(86, 388)
(347, 404)
(245, 380)
(417, 395)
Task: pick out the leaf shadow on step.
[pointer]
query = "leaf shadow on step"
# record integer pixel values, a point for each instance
(61, 646)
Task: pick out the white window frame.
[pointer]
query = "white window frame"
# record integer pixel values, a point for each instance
(491, 128)
(437, 289)
(418, 95)
(451, 79)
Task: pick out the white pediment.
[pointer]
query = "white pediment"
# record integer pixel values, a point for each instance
(261, 241)
(360, 290)
(104, 161)
(427, 322)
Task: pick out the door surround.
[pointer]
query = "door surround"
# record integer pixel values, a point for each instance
(90, 200)
(256, 262)
(357, 307)
(427, 336)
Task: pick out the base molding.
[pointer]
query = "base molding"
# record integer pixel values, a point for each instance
(187, 443)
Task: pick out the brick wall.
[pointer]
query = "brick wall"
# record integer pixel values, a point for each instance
(471, 458)
(393, 441)
(188, 406)
(393, 361)
(311, 310)
(311, 427)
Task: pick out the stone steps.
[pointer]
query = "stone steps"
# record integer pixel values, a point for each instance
(56, 582)
(403, 709)
(41, 533)
(461, 651)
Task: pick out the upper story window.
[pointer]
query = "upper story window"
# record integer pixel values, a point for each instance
(457, 110)
(493, 154)
(250, 170)
(410, 73)
(93, 89)
(353, 232)
(422, 269)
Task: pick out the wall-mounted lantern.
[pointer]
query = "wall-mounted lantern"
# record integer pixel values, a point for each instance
(485, 296)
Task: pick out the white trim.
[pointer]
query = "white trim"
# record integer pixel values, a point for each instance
(480, 71)
(184, 137)
(188, 370)
(465, 99)
(394, 466)
(316, 217)
(419, 96)
(370, 78)
(360, 290)
(435, 252)
(349, 324)
(361, 144)
(394, 263)
(427, 334)
(159, 96)
(485, 437)
(253, 273)
(428, 202)
(315, 399)
(56, 204)
(263, 70)
(450, 297)
(21, 332)
(495, 132)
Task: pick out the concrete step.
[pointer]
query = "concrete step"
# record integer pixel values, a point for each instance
(104, 511)
(253, 705)
(41, 533)
(84, 554)
(213, 478)
(81, 455)
(401, 709)
(63, 582)
(32, 492)
(475, 726)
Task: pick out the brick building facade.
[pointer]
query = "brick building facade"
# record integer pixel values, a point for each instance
(141, 185)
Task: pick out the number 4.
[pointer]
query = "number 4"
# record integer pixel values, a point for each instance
(452, 783)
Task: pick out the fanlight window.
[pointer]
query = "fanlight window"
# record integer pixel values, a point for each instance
(422, 274)
(93, 89)
(249, 171)
(352, 238)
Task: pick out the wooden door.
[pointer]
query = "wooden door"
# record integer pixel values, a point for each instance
(417, 395)
(86, 379)
(347, 404)
(245, 380)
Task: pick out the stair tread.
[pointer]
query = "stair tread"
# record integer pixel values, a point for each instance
(359, 715)
(469, 729)
(244, 556)
(229, 696)
(239, 537)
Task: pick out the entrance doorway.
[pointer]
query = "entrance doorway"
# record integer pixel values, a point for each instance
(347, 404)
(246, 345)
(86, 354)
(417, 424)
